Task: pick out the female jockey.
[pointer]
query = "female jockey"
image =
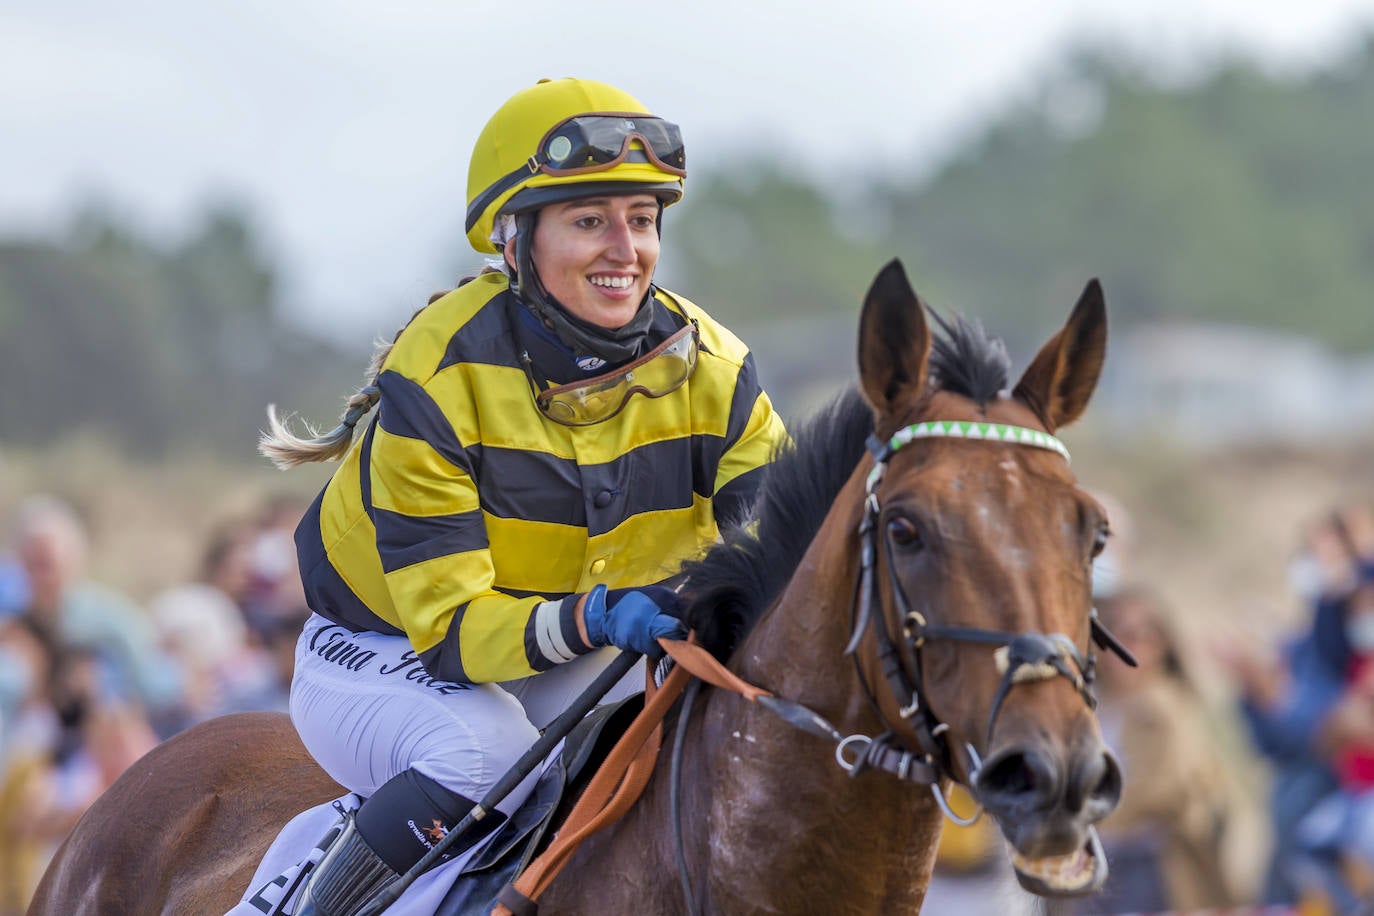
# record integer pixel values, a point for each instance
(552, 439)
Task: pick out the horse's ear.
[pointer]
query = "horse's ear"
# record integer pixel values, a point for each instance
(894, 342)
(1061, 379)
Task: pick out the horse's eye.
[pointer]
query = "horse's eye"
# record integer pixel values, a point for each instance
(903, 532)
(1100, 541)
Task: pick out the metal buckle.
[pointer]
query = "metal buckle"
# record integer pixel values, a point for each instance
(949, 812)
(914, 622)
(906, 712)
(975, 760)
(846, 742)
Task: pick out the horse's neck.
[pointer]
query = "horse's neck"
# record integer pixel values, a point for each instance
(786, 823)
(797, 649)
(771, 822)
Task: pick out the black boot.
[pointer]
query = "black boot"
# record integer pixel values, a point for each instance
(349, 876)
(388, 834)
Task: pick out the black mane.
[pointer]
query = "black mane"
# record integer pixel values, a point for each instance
(739, 577)
(965, 360)
(735, 582)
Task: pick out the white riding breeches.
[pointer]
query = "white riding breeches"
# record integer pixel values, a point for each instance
(366, 710)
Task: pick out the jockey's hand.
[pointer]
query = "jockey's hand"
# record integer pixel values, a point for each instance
(632, 618)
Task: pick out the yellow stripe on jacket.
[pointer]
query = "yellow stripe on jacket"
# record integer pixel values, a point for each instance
(462, 509)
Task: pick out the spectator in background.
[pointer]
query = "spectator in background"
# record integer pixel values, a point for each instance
(87, 738)
(50, 543)
(272, 691)
(30, 722)
(14, 673)
(31, 736)
(14, 597)
(202, 625)
(14, 586)
(1165, 838)
(1293, 704)
(274, 596)
(1337, 837)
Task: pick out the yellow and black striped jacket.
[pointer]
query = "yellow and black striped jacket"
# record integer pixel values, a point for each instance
(462, 515)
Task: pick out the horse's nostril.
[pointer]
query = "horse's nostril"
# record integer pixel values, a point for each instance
(1108, 788)
(1010, 775)
(1014, 775)
(1097, 785)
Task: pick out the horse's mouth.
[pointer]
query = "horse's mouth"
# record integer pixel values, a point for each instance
(1073, 875)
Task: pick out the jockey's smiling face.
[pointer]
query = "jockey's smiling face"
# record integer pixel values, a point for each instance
(597, 255)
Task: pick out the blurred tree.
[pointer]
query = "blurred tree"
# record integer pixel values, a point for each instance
(1237, 196)
(1240, 196)
(1236, 199)
(761, 240)
(154, 346)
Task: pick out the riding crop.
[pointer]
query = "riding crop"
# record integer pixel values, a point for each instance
(557, 730)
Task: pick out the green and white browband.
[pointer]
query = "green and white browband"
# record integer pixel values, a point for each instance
(967, 429)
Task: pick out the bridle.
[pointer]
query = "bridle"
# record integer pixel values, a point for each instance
(1021, 657)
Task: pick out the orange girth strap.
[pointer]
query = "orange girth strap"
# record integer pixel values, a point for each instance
(622, 777)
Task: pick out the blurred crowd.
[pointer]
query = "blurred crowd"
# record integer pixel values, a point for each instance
(1309, 707)
(1299, 711)
(90, 680)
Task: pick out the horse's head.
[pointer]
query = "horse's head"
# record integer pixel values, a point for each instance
(982, 547)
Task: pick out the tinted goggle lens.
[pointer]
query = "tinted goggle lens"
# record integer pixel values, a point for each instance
(661, 371)
(595, 142)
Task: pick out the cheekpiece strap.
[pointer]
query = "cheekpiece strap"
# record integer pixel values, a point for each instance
(881, 449)
(1105, 639)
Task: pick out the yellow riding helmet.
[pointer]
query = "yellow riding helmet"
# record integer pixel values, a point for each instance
(563, 139)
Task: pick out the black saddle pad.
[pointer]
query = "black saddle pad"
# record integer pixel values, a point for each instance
(522, 837)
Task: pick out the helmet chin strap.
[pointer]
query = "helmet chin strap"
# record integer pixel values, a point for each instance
(613, 345)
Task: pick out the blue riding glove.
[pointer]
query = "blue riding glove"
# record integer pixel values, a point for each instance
(633, 618)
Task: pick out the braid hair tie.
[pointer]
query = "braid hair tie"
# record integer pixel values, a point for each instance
(371, 394)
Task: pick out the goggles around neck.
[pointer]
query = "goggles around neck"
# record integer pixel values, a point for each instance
(594, 143)
(661, 371)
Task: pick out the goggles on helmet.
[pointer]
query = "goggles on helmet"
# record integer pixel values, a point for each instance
(594, 143)
(661, 371)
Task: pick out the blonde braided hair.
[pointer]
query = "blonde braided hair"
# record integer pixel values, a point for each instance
(286, 450)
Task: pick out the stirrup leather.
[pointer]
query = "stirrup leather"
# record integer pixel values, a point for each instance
(348, 877)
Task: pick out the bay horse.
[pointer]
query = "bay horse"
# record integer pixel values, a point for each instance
(915, 581)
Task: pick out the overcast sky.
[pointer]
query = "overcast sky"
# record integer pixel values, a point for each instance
(346, 126)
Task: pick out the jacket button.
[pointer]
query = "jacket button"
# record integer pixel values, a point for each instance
(598, 566)
(603, 499)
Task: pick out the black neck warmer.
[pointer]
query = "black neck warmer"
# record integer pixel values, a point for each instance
(614, 345)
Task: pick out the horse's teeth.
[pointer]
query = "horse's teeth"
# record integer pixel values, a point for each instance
(1066, 872)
